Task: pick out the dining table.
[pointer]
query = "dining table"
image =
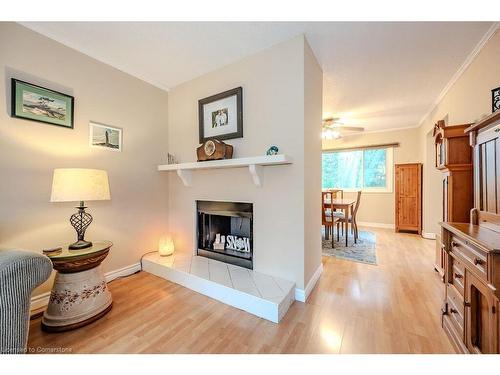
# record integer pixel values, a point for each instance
(346, 205)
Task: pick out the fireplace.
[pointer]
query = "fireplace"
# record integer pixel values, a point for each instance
(225, 232)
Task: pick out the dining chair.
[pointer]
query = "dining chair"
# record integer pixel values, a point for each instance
(327, 219)
(351, 218)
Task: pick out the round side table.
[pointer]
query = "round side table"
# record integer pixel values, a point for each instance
(80, 294)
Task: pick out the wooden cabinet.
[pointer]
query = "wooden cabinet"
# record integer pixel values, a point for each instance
(408, 192)
(472, 252)
(481, 306)
(453, 156)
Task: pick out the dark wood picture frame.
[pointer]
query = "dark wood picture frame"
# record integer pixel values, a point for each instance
(14, 103)
(238, 91)
(493, 101)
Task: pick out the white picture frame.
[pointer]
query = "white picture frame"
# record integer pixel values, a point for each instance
(105, 137)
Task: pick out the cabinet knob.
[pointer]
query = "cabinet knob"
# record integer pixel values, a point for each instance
(453, 311)
(458, 276)
(453, 243)
(478, 261)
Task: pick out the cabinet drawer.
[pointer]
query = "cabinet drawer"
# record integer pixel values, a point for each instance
(455, 307)
(457, 276)
(474, 258)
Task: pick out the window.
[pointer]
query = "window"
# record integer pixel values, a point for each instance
(369, 170)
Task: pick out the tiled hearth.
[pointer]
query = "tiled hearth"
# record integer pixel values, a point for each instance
(265, 296)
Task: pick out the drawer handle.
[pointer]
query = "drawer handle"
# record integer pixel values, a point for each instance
(458, 276)
(453, 244)
(478, 261)
(453, 311)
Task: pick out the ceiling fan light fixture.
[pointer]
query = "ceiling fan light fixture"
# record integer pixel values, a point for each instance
(331, 134)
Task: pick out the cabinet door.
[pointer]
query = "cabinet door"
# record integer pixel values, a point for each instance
(487, 171)
(408, 181)
(482, 322)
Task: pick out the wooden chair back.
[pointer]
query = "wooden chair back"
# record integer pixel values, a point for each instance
(337, 193)
(326, 205)
(356, 206)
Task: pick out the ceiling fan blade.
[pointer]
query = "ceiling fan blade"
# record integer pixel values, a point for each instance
(352, 128)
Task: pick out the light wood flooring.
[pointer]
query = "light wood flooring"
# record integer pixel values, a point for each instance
(393, 307)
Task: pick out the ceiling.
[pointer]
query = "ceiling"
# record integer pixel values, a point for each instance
(378, 75)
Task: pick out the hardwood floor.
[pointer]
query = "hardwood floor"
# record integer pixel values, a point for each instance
(355, 308)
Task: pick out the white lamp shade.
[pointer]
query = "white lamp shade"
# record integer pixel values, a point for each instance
(78, 184)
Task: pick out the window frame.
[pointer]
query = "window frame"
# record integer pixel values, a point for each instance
(389, 167)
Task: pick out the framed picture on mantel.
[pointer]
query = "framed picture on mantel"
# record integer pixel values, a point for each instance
(221, 116)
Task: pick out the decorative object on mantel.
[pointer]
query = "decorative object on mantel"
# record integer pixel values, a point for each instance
(254, 165)
(171, 159)
(78, 184)
(495, 99)
(213, 149)
(221, 116)
(166, 246)
(104, 136)
(273, 150)
(36, 103)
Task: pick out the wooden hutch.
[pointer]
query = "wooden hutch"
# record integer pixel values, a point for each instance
(453, 155)
(472, 263)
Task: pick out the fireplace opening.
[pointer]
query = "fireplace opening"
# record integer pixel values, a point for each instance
(225, 232)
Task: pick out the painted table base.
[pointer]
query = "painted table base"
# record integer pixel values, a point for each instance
(80, 294)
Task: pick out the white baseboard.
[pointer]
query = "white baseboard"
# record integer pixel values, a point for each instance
(376, 225)
(429, 236)
(42, 300)
(302, 294)
(39, 301)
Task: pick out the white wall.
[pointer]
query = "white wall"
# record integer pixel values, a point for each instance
(313, 111)
(29, 151)
(273, 114)
(467, 100)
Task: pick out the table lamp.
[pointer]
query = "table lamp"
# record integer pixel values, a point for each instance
(78, 184)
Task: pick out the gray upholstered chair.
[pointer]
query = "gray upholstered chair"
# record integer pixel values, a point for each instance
(20, 273)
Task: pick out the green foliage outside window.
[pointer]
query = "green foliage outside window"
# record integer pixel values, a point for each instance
(355, 169)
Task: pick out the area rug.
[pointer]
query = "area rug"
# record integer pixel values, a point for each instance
(363, 251)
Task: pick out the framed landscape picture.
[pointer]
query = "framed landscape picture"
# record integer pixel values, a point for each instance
(37, 103)
(221, 116)
(104, 136)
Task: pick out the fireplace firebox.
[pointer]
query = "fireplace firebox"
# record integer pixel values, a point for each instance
(225, 232)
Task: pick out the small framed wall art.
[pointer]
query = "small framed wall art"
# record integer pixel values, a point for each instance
(36, 103)
(221, 116)
(495, 99)
(104, 136)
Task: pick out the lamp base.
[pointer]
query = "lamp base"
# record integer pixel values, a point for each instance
(81, 244)
(80, 221)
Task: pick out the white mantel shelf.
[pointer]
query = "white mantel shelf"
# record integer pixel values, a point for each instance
(254, 165)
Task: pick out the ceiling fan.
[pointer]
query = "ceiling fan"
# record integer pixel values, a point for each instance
(334, 128)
